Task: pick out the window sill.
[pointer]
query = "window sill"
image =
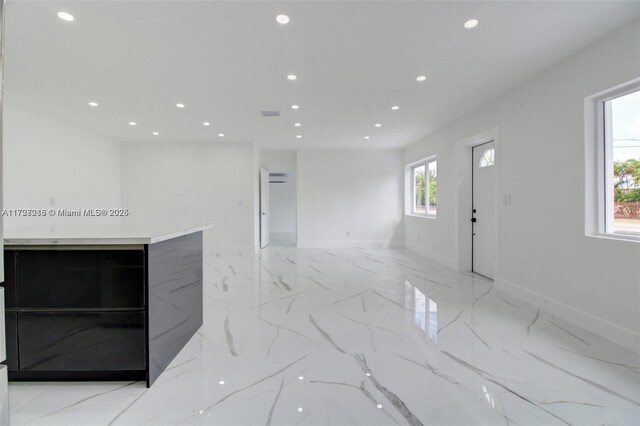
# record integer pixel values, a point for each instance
(422, 216)
(617, 237)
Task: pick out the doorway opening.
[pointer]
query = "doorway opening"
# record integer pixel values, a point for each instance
(282, 209)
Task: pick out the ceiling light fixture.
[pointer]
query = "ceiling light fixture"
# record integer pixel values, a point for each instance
(421, 78)
(66, 16)
(292, 77)
(282, 19)
(93, 104)
(395, 107)
(132, 123)
(179, 105)
(299, 136)
(471, 23)
(206, 123)
(295, 106)
(221, 135)
(377, 125)
(298, 124)
(156, 134)
(367, 137)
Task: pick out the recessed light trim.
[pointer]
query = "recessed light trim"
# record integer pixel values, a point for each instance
(93, 104)
(377, 125)
(66, 16)
(180, 105)
(297, 124)
(292, 77)
(421, 78)
(206, 123)
(471, 23)
(295, 106)
(133, 123)
(282, 19)
(395, 107)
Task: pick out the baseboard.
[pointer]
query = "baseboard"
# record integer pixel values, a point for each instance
(434, 256)
(601, 327)
(346, 244)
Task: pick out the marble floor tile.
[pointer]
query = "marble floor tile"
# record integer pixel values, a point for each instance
(359, 336)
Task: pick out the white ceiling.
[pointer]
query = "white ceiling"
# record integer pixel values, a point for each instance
(227, 60)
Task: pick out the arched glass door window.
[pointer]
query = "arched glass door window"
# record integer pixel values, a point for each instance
(488, 158)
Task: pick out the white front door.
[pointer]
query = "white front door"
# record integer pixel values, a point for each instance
(264, 208)
(483, 209)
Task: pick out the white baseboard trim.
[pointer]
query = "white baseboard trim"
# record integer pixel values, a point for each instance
(434, 256)
(601, 327)
(346, 244)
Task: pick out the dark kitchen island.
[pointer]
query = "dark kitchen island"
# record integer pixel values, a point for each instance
(99, 303)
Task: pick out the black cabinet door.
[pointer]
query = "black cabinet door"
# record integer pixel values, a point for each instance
(80, 279)
(11, 337)
(82, 341)
(10, 291)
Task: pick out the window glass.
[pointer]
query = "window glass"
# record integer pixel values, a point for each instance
(419, 189)
(487, 158)
(433, 187)
(622, 137)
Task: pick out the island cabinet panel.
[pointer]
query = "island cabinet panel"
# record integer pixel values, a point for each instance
(81, 341)
(175, 298)
(83, 279)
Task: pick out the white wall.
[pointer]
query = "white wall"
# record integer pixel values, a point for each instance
(45, 159)
(354, 191)
(544, 255)
(282, 196)
(187, 184)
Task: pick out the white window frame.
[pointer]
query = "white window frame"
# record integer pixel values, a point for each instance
(410, 192)
(599, 163)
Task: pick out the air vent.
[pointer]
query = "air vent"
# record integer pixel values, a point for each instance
(277, 178)
(270, 113)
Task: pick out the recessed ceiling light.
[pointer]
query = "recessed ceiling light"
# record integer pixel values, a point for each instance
(300, 409)
(421, 78)
(156, 134)
(93, 104)
(221, 382)
(299, 136)
(206, 123)
(282, 19)
(295, 106)
(298, 124)
(379, 405)
(180, 105)
(367, 137)
(221, 135)
(471, 23)
(377, 125)
(132, 123)
(66, 16)
(395, 107)
(292, 77)
(300, 377)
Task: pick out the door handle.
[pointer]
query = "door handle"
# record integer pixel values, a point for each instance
(474, 220)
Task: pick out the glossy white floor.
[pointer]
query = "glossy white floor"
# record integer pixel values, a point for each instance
(355, 336)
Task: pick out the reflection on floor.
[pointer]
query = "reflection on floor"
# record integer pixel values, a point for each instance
(282, 239)
(359, 336)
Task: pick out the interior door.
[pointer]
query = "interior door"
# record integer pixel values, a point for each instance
(483, 209)
(264, 208)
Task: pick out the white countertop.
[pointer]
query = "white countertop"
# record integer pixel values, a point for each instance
(93, 235)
